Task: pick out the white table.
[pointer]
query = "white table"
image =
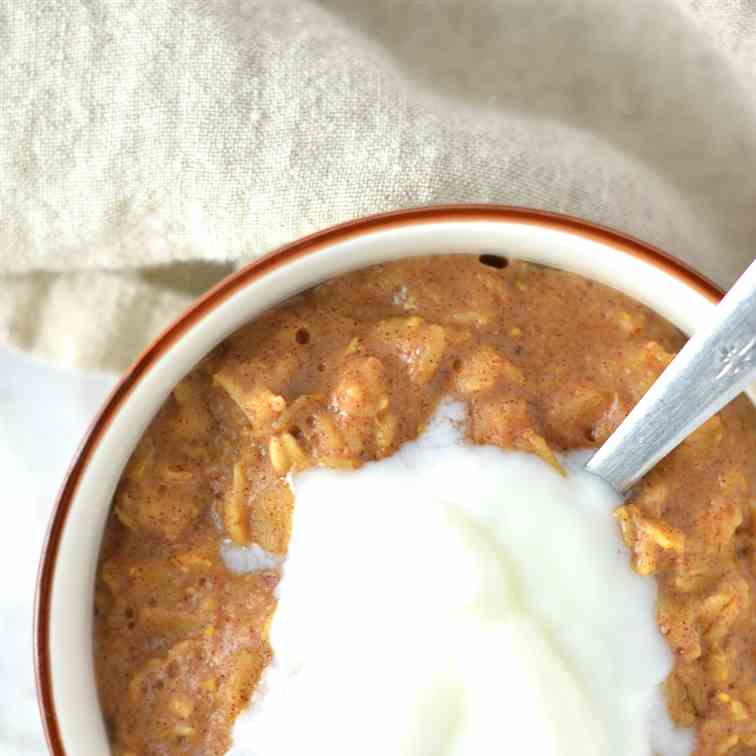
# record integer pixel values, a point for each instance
(44, 412)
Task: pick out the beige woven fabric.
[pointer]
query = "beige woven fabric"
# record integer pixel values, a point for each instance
(149, 146)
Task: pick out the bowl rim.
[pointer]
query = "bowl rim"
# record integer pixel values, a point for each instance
(616, 240)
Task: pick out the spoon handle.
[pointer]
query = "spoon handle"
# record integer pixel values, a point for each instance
(716, 364)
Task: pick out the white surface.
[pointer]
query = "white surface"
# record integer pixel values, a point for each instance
(140, 135)
(71, 595)
(436, 626)
(43, 414)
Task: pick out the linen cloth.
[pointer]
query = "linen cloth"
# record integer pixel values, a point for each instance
(147, 147)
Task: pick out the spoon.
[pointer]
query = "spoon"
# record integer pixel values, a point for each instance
(716, 364)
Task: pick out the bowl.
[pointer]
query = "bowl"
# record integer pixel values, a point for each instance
(64, 604)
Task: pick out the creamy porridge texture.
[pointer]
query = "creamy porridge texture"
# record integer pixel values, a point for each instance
(312, 395)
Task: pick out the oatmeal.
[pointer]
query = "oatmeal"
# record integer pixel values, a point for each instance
(543, 361)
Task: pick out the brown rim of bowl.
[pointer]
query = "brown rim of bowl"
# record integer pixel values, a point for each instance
(434, 214)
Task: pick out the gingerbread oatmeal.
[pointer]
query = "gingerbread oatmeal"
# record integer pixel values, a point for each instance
(544, 362)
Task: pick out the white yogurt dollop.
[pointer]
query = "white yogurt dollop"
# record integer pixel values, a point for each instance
(456, 600)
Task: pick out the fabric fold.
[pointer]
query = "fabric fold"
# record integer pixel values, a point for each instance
(152, 135)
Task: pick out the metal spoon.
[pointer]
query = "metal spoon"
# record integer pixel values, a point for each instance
(716, 364)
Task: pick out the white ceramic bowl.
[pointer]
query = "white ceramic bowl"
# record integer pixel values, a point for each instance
(63, 631)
